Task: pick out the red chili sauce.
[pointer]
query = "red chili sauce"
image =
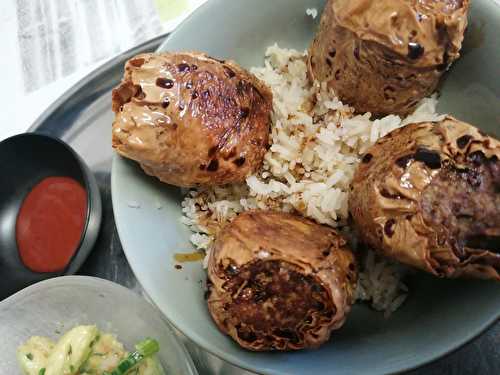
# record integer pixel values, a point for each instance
(50, 224)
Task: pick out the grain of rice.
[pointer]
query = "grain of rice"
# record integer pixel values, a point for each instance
(313, 12)
(133, 204)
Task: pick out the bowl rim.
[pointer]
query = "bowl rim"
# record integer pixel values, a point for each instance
(86, 179)
(77, 281)
(231, 358)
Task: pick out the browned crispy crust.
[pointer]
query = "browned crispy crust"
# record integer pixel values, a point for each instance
(279, 282)
(191, 120)
(383, 56)
(428, 195)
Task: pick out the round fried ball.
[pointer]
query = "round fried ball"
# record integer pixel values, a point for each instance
(428, 195)
(384, 56)
(279, 282)
(191, 120)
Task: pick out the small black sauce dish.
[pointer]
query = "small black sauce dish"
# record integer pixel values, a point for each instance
(25, 160)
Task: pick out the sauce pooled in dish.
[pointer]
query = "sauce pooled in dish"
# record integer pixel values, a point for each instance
(50, 224)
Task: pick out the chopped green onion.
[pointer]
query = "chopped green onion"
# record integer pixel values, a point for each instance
(94, 341)
(148, 347)
(145, 348)
(42, 371)
(29, 356)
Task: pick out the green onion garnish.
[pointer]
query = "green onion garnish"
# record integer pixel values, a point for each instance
(145, 348)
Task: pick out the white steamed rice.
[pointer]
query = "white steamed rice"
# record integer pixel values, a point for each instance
(317, 143)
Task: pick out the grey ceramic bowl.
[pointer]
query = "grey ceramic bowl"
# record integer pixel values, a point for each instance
(61, 303)
(439, 316)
